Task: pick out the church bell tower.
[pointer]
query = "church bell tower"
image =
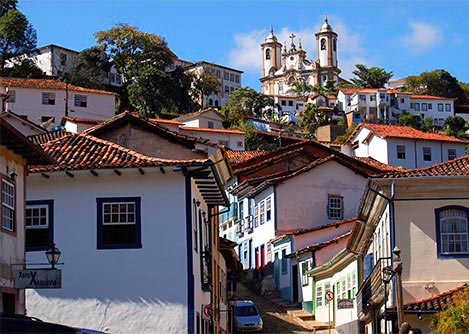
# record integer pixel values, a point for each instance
(326, 44)
(271, 54)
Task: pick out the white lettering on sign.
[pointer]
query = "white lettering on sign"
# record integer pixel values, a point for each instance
(38, 279)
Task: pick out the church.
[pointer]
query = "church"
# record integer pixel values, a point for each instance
(282, 67)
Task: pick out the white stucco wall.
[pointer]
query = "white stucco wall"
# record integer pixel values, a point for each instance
(12, 244)
(155, 272)
(302, 200)
(29, 102)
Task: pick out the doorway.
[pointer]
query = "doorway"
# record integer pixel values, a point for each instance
(9, 302)
(295, 283)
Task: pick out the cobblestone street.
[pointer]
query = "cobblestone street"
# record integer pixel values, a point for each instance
(276, 319)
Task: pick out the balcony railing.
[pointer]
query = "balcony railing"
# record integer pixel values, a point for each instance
(371, 293)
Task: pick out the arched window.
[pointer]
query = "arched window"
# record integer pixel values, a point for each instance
(210, 102)
(323, 44)
(453, 230)
(267, 54)
(216, 103)
(335, 44)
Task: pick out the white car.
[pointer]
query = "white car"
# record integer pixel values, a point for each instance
(247, 317)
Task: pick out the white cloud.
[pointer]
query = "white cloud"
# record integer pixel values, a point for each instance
(423, 37)
(246, 55)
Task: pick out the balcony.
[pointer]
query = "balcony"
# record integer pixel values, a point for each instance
(248, 224)
(371, 293)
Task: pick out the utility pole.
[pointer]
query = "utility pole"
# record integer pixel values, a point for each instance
(397, 267)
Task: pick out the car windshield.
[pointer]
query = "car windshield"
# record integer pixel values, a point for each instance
(245, 311)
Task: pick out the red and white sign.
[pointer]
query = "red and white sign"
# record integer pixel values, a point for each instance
(206, 311)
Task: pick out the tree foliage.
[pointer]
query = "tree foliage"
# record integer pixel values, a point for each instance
(408, 119)
(455, 318)
(204, 85)
(142, 58)
(311, 118)
(454, 126)
(254, 141)
(436, 83)
(245, 102)
(370, 77)
(17, 35)
(25, 68)
(91, 68)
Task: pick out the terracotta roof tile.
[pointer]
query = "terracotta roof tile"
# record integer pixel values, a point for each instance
(165, 121)
(321, 245)
(382, 166)
(431, 97)
(456, 167)
(436, 303)
(403, 132)
(188, 128)
(80, 120)
(82, 151)
(48, 84)
(237, 157)
(197, 113)
(42, 138)
(318, 228)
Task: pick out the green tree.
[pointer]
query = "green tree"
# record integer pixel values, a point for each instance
(427, 124)
(254, 141)
(302, 88)
(465, 87)
(454, 126)
(17, 35)
(91, 67)
(141, 58)
(245, 102)
(372, 77)
(25, 68)
(436, 83)
(408, 119)
(311, 118)
(455, 318)
(204, 85)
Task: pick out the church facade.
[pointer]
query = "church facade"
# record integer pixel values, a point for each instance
(282, 67)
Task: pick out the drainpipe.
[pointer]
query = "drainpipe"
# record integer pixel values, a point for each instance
(415, 153)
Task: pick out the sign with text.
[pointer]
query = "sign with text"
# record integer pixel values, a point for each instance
(38, 279)
(344, 303)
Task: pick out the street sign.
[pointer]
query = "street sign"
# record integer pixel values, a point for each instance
(329, 295)
(344, 303)
(206, 311)
(38, 279)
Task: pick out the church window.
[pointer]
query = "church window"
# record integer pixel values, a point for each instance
(335, 45)
(323, 44)
(216, 103)
(267, 54)
(290, 103)
(210, 102)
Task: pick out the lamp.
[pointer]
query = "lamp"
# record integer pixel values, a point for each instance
(53, 255)
(388, 274)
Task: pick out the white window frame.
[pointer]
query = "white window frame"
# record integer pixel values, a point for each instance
(79, 99)
(332, 207)
(429, 150)
(50, 97)
(460, 235)
(40, 226)
(304, 276)
(453, 153)
(119, 213)
(400, 149)
(319, 295)
(10, 206)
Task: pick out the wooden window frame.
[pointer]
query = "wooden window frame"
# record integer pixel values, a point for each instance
(49, 203)
(5, 230)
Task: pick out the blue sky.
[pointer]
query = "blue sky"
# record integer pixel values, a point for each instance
(406, 37)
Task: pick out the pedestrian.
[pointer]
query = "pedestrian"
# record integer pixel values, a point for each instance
(405, 328)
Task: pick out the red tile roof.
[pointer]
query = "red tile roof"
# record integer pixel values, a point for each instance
(42, 138)
(237, 157)
(15, 141)
(456, 167)
(80, 120)
(431, 97)
(317, 228)
(82, 152)
(188, 128)
(384, 167)
(435, 303)
(48, 84)
(165, 121)
(321, 245)
(403, 132)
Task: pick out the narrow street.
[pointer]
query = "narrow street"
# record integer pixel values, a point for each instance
(276, 319)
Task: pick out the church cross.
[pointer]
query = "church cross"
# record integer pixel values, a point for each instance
(292, 36)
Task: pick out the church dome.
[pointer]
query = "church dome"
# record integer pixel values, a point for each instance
(326, 26)
(271, 38)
